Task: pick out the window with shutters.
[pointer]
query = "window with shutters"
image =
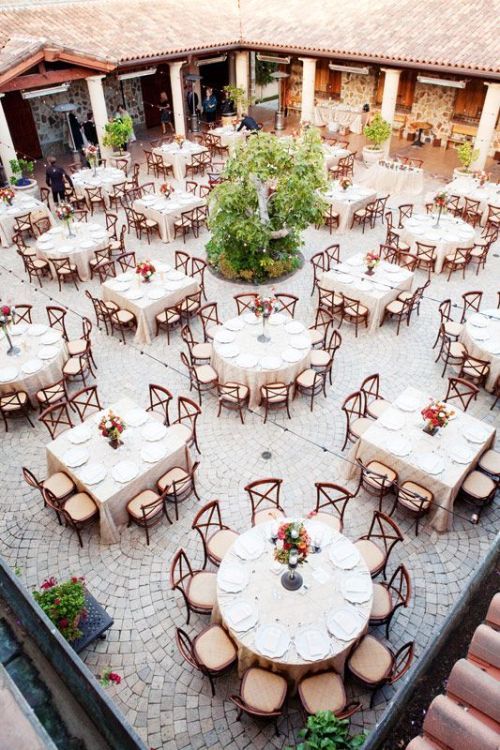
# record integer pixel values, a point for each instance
(469, 101)
(328, 81)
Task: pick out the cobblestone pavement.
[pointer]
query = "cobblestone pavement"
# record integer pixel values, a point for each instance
(163, 698)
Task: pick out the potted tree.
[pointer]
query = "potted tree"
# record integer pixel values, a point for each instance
(325, 730)
(21, 179)
(239, 100)
(117, 133)
(377, 132)
(466, 154)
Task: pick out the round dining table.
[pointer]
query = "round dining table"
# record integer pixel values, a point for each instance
(481, 338)
(450, 234)
(79, 248)
(102, 177)
(39, 362)
(238, 356)
(293, 632)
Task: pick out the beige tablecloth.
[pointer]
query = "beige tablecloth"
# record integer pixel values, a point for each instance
(179, 157)
(346, 202)
(481, 338)
(244, 343)
(110, 495)
(173, 285)
(80, 249)
(319, 597)
(375, 292)
(384, 179)
(332, 155)
(377, 443)
(352, 118)
(447, 237)
(105, 178)
(21, 204)
(12, 375)
(166, 211)
(230, 137)
(468, 187)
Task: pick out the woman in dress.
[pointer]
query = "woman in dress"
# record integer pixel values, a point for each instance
(210, 106)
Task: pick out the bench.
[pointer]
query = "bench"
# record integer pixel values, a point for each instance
(460, 133)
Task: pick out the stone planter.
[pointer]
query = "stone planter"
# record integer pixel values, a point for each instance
(31, 189)
(372, 155)
(460, 172)
(115, 156)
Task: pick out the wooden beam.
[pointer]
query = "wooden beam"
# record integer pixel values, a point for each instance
(73, 58)
(49, 78)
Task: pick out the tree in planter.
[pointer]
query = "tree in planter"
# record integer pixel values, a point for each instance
(21, 171)
(270, 194)
(467, 154)
(117, 133)
(238, 97)
(323, 731)
(377, 131)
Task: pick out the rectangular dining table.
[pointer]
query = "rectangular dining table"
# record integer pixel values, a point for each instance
(438, 462)
(346, 202)
(167, 210)
(179, 156)
(111, 495)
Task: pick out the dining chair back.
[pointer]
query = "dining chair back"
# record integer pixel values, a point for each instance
(85, 402)
(159, 402)
(56, 419)
(462, 391)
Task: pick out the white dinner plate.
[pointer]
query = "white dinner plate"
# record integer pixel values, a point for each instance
(475, 433)
(124, 471)
(461, 454)
(357, 588)
(299, 342)
(291, 355)
(87, 244)
(431, 463)
(399, 445)
(355, 261)
(271, 362)
(228, 351)
(312, 643)
(7, 374)
(48, 352)
(272, 640)
(235, 324)
(155, 292)
(153, 452)
(175, 275)
(134, 294)
(247, 360)
(51, 337)
(76, 457)
(79, 434)
(278, 319)
(92, 473)
(407, 403)
(478, 321)
(391, 420)
(135, 417)
(18, 329)
(37, 329)
(344, 555)
(362, 284)
(344, 623)
(480, 334)
(344, 278)
(154, 431)
(232, 577)
(249, 546)
(224, 336)
(241, 615)
(251, 319)
(294, 327)
(31, 366)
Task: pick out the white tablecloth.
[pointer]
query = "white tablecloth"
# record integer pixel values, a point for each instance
(146, 307)
(21, 204)
(321, 596)
(12, 375)
(447, 237)
(468, 187)
(230, 137)
(105, 178)
(375, 292)
(110, 495)
(376, 444)
(80, 249)
(383, 179)
(333, 154)
(245, 341)
(346, 202)
(353, 118)
(179, 157)
(166, 211)
(481, 338)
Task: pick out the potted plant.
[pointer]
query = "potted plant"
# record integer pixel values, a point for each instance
(238, 97)
(22, 169)
(377, 132)
(325, 730)
(467, 154)
(117, 133)
(64, 604)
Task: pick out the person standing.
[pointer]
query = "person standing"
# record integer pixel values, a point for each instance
(165, 113)
(210, 106)
(76, 131)
(90, 130)
(54, 178)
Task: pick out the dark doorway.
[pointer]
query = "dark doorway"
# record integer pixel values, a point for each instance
(215, 75)
(152, 86)
(21, 125)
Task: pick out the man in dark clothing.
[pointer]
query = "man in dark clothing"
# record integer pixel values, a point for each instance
(90, 131)
(249, 123)
(54, 177)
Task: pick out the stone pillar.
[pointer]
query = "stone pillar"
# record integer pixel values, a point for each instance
(99, 111)
(242, 71)
(308, 88)
(176, 86)
(7, 150)
(196, 85)
(232, 69)
(389, 99)
(487, 122)
(253, 63)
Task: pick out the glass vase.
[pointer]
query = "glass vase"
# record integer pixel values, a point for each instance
(264, 338)
(12, 351)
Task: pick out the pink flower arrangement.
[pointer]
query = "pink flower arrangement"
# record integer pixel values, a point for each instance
(91, 152)
(64, 211)
(166, 188)
(145, 269)
(372, 259)
(437, 414)
(292, 535)
(7, 195)
(111, 426)
(264, 306)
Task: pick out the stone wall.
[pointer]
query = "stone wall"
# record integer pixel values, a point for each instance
(357, 90)
(434, 104)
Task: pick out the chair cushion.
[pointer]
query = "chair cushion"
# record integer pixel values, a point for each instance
(143, 498)
(214, 648)
(329, 519)
(202, 589)
(373, 556)
(306, 378)
(362, 310)
(6, 405)
(404, 296)
(40, 263)
(175, 474)
(180, 432)
(273, 398)
(380, 468)
(219, 543)
(360, 425)
(320, 358)
(317, 335)
(64, 271)
(77, 346)
(205, 374)
(322, 692)
(382, 602)
(478, 485)
(80, 506)
(377, 407)
(202, 351)
(151, 223)
(263, 690)
(396, 306)
(267, 514)
(72, 366)
(457, 349)
(371, 661)
(490, 462)
(419, 490)
(168, 316)
(59, 484)
(453, 329)
(124, 316)
(452, 259)
(242, 392)
(476, 371)
(50, 397)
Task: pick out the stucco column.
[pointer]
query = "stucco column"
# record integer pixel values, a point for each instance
(99, 110)
(308, 88)
(389, 99)
(487, 122)
(242, 74)
(7, 150)
(177, 96)
(232, 69)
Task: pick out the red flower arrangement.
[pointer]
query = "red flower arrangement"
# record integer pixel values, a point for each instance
(7, 195)
(145, 269)
(440, 200)
(111, 426)
(372, 260)
(109, 677)
(437, 414)
(292, 535)
(345, 183)
(6, 315)
(264, 306)
(64, 211)
(166, 188)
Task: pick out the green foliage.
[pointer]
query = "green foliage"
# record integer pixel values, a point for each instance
(242, 245)
(237, 96)
(323, 731)
(467, 154)
(377, 131)
(63, 603)
(263, 72)
(117, 132)
(21, 170)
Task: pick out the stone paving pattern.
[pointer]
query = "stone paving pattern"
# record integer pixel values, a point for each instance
(167, 702)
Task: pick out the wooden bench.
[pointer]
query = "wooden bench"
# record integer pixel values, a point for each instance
(460, 133)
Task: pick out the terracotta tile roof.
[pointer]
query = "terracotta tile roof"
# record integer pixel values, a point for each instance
(457, 33)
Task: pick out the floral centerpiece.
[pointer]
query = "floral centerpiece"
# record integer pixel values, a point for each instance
(345, 183)
(146, 270)
(7, 313)
(111, 426)
(109, 677)
(292, 548)
(64, 604)
(64, 212)
(7, 195)
(483, 177)
(166, 189)
(263, 307)
(371, 261)
(437, 414)
(92, 155)
(179, 139)
(440, 201)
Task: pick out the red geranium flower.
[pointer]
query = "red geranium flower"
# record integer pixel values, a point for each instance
(63, 622)
(115, 677)
(48, 583)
